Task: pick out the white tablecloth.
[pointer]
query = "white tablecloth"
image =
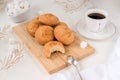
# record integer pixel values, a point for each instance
(25, 66)
(110, 70)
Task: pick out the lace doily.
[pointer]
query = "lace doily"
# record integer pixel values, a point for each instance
(16, 51)
(72, 5)
(3, 31)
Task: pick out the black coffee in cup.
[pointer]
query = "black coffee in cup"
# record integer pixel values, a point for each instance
(96, 16)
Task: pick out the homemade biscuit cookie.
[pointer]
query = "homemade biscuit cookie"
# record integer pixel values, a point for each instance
(35, 20)
(31, 28)
(44, 34)
(64, 34)
(52, 47)
(48, 19)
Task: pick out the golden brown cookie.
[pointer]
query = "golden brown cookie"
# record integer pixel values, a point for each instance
(44, 34)
(62, 23)
(35, 20)
(52, 47)
(64, 34)
(48, 19)
(31, 28)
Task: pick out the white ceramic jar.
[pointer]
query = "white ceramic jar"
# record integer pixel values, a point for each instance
(18, 10)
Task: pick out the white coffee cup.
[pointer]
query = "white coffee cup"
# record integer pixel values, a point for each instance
(96, 20)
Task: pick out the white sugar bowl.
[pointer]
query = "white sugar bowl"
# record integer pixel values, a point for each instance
(18, 10)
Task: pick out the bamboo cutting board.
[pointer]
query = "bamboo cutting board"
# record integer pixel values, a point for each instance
(57, 61)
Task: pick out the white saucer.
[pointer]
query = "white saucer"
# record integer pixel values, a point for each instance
(109, 31)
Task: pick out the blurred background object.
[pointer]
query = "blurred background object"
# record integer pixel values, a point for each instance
(2, 4)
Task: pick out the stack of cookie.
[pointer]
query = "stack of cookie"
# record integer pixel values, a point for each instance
(50, 32)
